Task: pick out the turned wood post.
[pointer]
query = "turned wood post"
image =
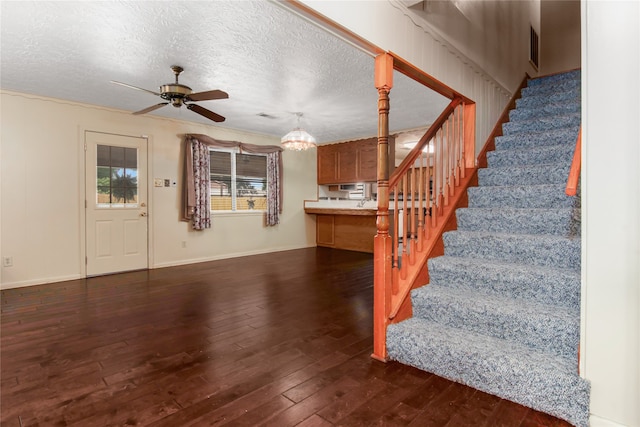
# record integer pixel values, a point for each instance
(382, 241)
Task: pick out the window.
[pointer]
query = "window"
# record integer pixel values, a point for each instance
(117, 177)
(238, 181)
(534, 48)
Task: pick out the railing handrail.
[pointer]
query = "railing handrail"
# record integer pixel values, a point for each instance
(413, 155)
(576, 163)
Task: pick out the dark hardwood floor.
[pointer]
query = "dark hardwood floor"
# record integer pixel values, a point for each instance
(279, 339)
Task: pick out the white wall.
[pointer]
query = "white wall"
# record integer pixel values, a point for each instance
(484, 60)
(559, 36)
(611, 209)
(42, 179)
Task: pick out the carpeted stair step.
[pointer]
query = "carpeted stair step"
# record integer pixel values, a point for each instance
(544, 251)
(546, 110)
(521, 196)
(552, 286)
(533, 378)
(550, 88)
(554, 173)
(536, 101)
(545, 327)
(530, 156)
(574, 75)
(547, 221)
(538, 139)
(540, 124)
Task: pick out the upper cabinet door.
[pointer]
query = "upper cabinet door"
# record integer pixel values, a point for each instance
(368, 161)
(327, 164)
(347, 163)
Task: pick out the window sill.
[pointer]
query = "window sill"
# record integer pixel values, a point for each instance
(237, 213)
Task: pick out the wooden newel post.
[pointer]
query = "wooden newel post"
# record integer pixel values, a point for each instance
(382, 241)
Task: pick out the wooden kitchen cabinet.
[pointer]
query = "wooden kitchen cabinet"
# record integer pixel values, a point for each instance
(350, 232)
(348, 162)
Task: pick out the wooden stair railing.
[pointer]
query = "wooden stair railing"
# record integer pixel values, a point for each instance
(417, 203)
(574, 171)
(419, 190)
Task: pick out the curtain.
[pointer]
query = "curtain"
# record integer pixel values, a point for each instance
(201, 218)
(273, 188)
(192, 175)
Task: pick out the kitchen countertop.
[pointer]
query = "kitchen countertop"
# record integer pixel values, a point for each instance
(340, 207)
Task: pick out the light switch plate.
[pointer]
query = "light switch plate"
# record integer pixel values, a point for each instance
(158, 182)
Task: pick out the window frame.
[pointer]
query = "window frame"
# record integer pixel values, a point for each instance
(233, 190)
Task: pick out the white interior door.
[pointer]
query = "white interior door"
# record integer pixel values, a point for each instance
(116, 203)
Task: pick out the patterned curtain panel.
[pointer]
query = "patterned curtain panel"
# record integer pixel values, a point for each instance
(202, 208)
(273, 188)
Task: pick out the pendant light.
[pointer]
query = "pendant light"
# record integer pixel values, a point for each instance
(298, 139)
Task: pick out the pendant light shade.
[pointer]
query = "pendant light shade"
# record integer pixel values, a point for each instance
(298, 139)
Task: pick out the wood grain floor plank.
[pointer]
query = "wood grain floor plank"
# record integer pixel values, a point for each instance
(273, 339)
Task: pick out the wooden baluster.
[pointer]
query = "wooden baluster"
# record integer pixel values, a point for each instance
(420, 206)
(430, 184)
(454, 157)
(463, 171)
(445, 162)
(457, 139)
(404, 260)
(441, 173)
(449, 150)
(460, 145)
(413, 211)
(454, 151)
(395, 235)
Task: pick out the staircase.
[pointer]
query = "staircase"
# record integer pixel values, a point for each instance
(502, 310)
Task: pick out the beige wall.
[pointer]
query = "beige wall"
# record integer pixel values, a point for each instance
(559, 36)
(42, 192)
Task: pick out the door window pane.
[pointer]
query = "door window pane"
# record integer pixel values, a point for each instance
(117, 177)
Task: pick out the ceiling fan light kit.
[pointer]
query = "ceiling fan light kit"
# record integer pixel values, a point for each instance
(298, 139)
(178, 95)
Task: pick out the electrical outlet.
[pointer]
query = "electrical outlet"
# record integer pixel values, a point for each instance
(7, 261)
(158, 182)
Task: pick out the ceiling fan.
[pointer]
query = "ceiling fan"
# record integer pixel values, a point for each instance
(178, 94)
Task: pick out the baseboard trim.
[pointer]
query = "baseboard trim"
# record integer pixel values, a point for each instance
(595, 421)
(227, 256)
(25, 283)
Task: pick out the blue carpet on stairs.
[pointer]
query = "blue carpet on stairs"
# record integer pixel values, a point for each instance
(502, 310)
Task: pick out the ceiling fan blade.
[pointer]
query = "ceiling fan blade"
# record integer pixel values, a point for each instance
(135, 87)
(209, 95)
(206, 113)
(153, 107)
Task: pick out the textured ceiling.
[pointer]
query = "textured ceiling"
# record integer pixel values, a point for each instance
(272, 63)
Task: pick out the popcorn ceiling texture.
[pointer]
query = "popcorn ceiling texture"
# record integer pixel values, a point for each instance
(502, 310)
